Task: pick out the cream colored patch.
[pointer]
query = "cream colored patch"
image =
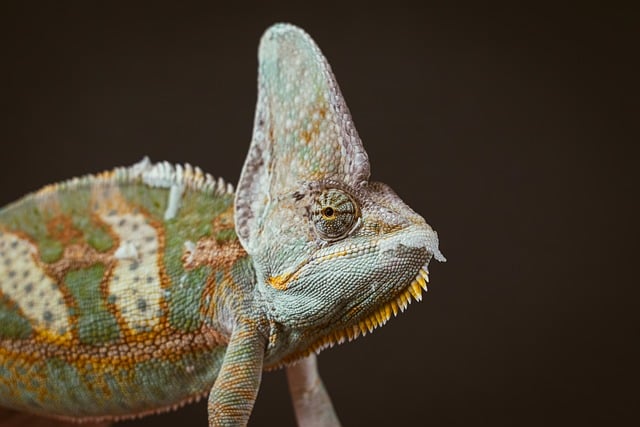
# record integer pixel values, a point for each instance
(135, 284)
(28, 286)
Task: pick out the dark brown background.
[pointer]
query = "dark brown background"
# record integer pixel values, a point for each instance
(507, 128)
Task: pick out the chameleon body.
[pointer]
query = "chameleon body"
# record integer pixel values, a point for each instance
(144, 288)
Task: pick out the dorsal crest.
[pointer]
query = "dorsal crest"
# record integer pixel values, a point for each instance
(303, 131)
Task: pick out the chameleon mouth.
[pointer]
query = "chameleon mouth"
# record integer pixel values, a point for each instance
(378, 317)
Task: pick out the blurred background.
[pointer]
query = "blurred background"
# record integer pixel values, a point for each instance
(507, 127)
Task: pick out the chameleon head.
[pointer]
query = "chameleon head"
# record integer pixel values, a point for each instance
(335, 255)
(350, 259)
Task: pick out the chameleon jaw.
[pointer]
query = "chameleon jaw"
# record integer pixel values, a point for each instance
(378, 317)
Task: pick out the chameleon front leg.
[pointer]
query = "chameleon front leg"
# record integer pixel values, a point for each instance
(234, 392)
(311, 402)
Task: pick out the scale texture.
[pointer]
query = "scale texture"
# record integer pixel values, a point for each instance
(144, 288)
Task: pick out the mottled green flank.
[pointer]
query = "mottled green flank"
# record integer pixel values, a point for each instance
(32, 215)
(78, 395)
(86, 386)
(184, 300)
(95, 235)
(50, 250)
(96, 325)
(76, 204)
(119, 389)
(12, 324)
(151, 200)
(188, 374)
(193, 222)
(226, 235)
(26, 378)
(26, 217)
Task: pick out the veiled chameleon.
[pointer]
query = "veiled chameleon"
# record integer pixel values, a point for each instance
(144, 288)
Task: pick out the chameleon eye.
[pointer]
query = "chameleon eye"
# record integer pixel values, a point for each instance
(334, 213)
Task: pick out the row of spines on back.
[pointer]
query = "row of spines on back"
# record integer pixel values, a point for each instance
(161, 174)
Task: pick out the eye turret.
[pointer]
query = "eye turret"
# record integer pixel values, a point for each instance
(334, 214)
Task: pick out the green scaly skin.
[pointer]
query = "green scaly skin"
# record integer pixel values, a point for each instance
(145, 288)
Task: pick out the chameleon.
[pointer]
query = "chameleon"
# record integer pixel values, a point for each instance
(144, 288)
